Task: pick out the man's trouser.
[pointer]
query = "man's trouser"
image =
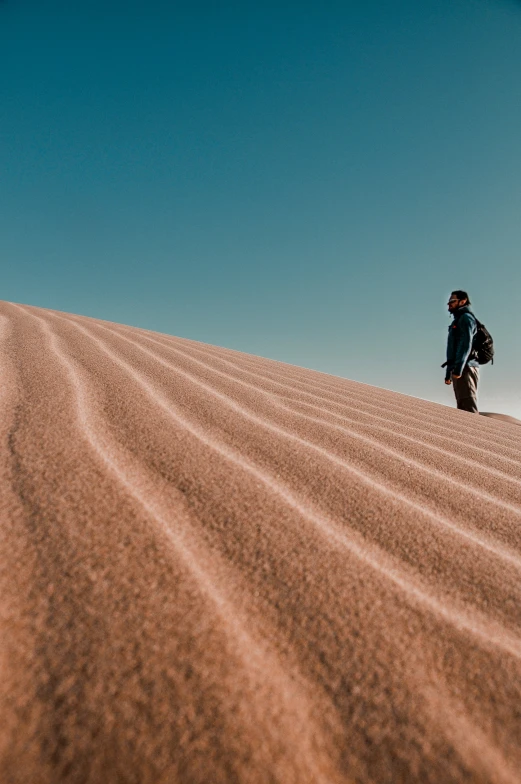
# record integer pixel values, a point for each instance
(466, 389)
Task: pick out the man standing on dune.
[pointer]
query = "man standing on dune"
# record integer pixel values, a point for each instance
(462, 368)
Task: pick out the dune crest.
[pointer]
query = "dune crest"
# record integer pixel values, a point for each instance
(221, 568)
(502, 417)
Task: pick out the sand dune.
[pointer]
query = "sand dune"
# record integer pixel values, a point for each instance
(503, 417)
(220, 568)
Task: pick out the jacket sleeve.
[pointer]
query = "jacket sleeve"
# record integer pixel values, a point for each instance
(449, 364)
(467, 328)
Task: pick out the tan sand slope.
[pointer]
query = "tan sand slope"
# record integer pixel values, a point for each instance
(220, 568)
(502, 417)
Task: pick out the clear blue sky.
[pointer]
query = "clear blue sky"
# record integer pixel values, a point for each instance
(306, 181)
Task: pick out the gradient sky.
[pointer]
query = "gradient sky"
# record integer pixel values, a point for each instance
(305, 181)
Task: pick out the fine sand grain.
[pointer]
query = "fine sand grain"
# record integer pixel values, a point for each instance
(217, 568)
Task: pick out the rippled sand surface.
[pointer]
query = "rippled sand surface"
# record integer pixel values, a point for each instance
(220, 568)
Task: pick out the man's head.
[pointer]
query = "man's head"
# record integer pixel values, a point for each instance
(457, 300)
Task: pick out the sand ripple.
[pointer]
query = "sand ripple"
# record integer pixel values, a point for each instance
(220, 568)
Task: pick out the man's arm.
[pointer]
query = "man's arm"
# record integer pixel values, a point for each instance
(466, 330)
(449, 364)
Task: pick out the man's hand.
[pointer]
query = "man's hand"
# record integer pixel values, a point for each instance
(448, 381)
(454, 376)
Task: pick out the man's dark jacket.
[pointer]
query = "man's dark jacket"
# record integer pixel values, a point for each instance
(459, 343)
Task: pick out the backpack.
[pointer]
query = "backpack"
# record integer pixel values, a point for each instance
(483, 345)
